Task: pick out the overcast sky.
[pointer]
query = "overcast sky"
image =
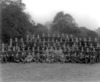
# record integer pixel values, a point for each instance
(85, 12)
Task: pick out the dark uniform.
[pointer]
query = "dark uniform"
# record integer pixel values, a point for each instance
(28, 58)
(87, 56)
(16, 58)
(1, 58)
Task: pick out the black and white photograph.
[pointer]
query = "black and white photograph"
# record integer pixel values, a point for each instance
(49, 40)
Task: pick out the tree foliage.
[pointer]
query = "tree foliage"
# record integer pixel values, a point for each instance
(15, 22)
(40, 29)
(98, 31)
(88, 33)
(64, 23)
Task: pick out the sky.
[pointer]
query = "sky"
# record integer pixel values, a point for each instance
(85, 12)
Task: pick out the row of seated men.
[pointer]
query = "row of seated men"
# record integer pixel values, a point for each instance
(50, 55)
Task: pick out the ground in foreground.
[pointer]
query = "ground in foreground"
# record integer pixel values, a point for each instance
(31, 72)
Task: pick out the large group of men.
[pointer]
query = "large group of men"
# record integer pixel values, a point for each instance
(47, 48)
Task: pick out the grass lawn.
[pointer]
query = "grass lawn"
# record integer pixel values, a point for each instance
(32, 72)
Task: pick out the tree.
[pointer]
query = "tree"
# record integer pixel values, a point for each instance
(15, 22)
(65, 23)
(40, 29)
(88, 33)
(98, 31)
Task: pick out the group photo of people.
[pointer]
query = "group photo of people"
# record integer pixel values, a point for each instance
(49, 40)
(49, 48)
